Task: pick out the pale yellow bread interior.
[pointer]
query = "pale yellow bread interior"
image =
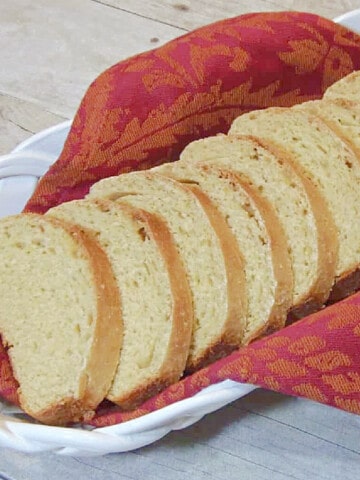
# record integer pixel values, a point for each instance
(213, 265)
(341, 115)
(295, 204)
(60, 317)
(269, 293)
(156, 301)
(347, 87)
(327, 161)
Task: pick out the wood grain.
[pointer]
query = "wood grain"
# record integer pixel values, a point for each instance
(20, 119)
(188, 14)
(51, 51)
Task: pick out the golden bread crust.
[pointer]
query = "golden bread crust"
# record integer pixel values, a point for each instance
(233, 329)
(327, 238)
(101, 363)
(182, 313)
(345, 286)
(280, 260)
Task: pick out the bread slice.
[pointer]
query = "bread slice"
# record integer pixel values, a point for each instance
(156, 302)
(260, 238)
(300, 215)
(208, 249)
(332, 167)
(60, 317)
(348, 87)
(341, 115)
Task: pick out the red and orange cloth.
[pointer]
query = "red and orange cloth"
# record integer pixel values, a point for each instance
(143, 111)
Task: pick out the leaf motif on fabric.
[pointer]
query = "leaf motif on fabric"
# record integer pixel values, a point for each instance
(176, 61)
(350, 404)
(173, 393)
(81, 139)
(338, 63)
(278, 341)
(139, 64)
(356, 329)
(270, 95)
(241, 368)
(306, 55)
(345, 38)
(124, 416)
(262, 23)
(201, 56)
(344, 315)
(163, 124)
(159, 78)
(228, 28)
(271, 382)
(287, 368)
(307, 344)
(327, 361)
(200, 380)
(266, 353)
(311, 391)
(345, 384)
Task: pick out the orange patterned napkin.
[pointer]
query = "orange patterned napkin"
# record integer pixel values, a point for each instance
(317, 358)
(143, 111)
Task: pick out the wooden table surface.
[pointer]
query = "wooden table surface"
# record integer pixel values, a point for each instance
(49, 53)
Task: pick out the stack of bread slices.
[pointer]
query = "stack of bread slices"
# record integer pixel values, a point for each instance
(158, 273)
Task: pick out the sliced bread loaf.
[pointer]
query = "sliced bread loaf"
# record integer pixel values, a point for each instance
(295, 202)
(341, 115)
(155, 296)
(60, 317)
(332, 167)
(260, 238)
(213, 264)
(348, 87)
